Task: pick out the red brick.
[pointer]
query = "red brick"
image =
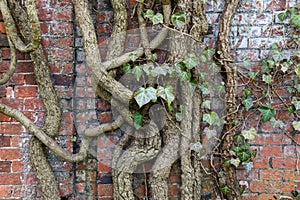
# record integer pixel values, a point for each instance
(272, 139)
(288, 163)
(104, 16)
(268, 196)
(10, 179)
(33, 104)
(17, 166)
(60, 3)
(243, 175)
(107, 141)
(9, 154)
(261, 163)
(270, 151)
(250, 197)
(4, 66)
(104, 154)
(61, 28)
(61, 55)
(289, 151)
(140, 191)
(18, 79)
(15, 141)
(104, 166)
(291, 175)
(63, 15)
(4, 140)
(271, 174)
(5, 166)
(57, 42)
(10, 128)
(41, 3)
(2, 27)
(5, 190)
(24, 67)
(105, 189)
(2, 91)
(105, 117)
(174, 190)
(30, 79)
(26, 91)
(5, 118)
(44, 28)
(270, 187)
(65, 190)
(275, 5)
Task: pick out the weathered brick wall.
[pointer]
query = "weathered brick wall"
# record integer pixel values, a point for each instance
(255, 27)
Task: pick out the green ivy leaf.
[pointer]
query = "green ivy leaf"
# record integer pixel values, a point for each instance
(267, 113)
(73, 138)
(240, 139)
(220, 88)
(185, 76)
(209, 52)
(242, 190)
(253, 74)
(155, 18)
(282, 16)
(133, 57)
(126, 68)
(254, 153)
(144, 95)
(277, 123)
(244, 156)
(178, 20)
(166, 93)
(149, 14)
(203, 75)
(227, 163)
(267, 78)
(285, 66)
(204, 87)
(236, 149)
(291, 109)
(138, 71)
(196, 147)
(206, 104)
(247, 62)
(296, 125)
(248, 103)
(297, 70)
(225, 189)
(297, 85)
(249, 134)
(296, 103)
(245, 147)
(178, 116)
(235, 161)
(158, 18)
(249, 166)
(294, 193)
(295, 19)
(212, 118)
(137, 120)
(190, 61)
(247, 93)
(159, 70)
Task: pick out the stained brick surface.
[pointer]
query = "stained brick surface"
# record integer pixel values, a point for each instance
(255, 28)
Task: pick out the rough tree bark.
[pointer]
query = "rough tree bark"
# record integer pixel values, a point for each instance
(163, 143)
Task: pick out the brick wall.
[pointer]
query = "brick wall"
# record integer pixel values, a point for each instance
(255, 27)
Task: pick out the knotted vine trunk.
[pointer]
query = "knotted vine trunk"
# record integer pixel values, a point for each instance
(162, 137)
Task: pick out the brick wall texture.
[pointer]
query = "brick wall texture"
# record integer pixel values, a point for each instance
(255, 27)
